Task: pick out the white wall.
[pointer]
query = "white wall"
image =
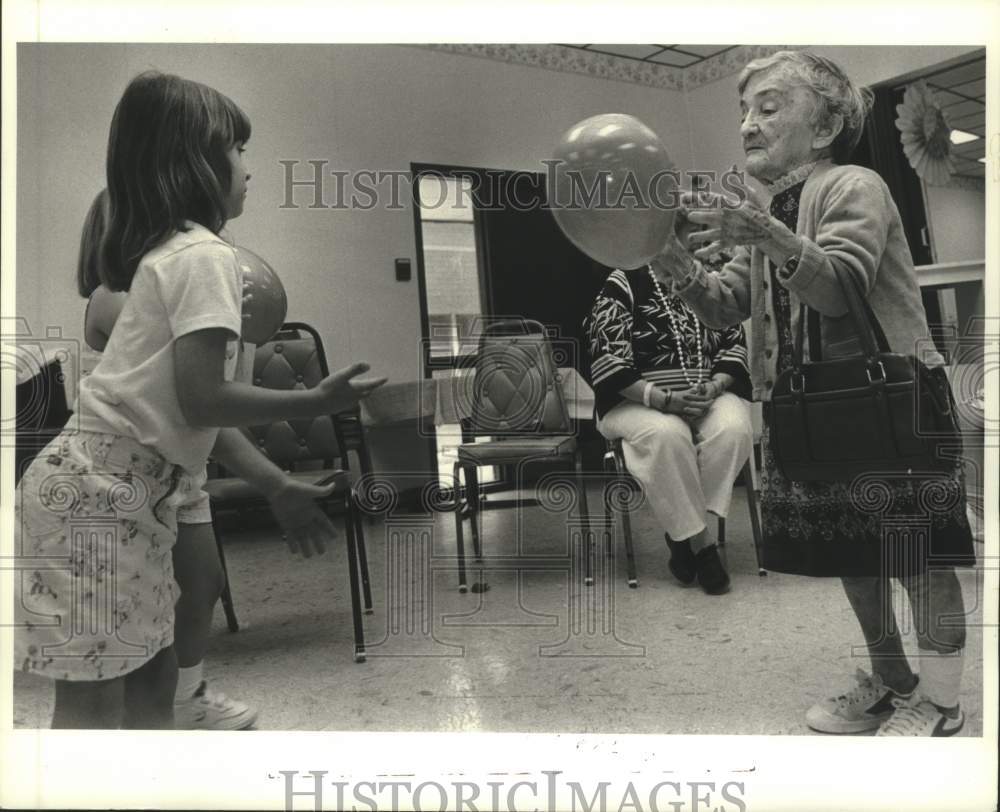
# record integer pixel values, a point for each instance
(958, 223)
(374, 107)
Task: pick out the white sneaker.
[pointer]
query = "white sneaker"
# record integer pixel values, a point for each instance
(212, 710)
(918, 716)
(863, 708)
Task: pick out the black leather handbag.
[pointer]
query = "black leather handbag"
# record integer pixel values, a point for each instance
(831, 421)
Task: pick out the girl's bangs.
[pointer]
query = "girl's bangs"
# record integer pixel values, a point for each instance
(230, 121)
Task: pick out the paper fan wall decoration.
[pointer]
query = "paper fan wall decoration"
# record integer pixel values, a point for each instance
(925, 134)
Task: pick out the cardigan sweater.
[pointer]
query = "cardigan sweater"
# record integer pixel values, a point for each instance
(846, 217)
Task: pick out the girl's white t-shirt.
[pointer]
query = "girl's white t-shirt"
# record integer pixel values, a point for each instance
(190, 282)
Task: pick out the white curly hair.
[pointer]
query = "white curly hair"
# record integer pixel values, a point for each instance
(834, 92)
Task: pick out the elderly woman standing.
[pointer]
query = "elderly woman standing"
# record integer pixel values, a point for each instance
(801, 114)
(676, 394)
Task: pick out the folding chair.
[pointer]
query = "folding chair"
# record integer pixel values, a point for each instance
(517, 400)
(307, 448)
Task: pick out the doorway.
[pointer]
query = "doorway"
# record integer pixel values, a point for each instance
(487, 246)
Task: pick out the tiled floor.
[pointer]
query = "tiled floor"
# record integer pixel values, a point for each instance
(536, 652)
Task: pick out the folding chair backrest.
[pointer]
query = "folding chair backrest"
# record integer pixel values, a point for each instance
(294, 359)
(516, 388)
(41, 413)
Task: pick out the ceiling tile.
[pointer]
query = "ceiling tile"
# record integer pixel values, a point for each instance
(962, 109)
(704, 50)
(627, 50)
(976, 88)
(959, 75)
(675, 58)
(946, 97)
(971, 151)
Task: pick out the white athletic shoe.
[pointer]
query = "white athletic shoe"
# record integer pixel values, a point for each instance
(918, 716)
(212, 710)
(863, 708)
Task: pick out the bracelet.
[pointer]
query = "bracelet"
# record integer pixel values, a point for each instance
(646, 392)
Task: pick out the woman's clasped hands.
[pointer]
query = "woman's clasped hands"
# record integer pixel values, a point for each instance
(689, 404)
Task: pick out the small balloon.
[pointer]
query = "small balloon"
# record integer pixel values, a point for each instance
(615, 191)
(265, 305)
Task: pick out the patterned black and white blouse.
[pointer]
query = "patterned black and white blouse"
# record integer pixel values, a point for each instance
(631, 338)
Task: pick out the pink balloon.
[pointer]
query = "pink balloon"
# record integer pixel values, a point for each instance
(264, 302)
(615, 190)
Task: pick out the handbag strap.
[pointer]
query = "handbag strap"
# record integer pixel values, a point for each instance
(869, 329)
(866, 324)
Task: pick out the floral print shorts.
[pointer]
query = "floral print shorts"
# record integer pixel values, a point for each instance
(95, 526)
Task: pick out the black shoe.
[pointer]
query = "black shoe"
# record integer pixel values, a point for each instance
(682, 562)
(711, 574)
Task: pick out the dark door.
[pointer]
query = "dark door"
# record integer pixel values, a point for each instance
(531, 268)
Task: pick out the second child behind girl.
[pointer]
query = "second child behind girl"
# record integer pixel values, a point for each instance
(161, 400)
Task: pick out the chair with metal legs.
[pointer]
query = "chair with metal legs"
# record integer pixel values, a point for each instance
(307, 449)
(517, 401)
(614, 464)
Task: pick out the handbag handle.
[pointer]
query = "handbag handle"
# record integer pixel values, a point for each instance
(866, 324)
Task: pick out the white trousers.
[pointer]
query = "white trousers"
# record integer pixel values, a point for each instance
(685, 470)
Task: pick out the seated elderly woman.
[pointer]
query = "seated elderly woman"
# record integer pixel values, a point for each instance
(677, 395)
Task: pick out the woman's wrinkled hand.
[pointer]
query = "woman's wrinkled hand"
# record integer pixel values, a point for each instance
(724, 228)
(675, 258)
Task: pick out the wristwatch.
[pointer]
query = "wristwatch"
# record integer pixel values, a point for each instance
(790, 266)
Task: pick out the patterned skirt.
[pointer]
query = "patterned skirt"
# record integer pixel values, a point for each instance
(95, 526)
(895, 525)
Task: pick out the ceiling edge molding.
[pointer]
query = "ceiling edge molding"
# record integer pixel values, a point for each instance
(572, 60)
(613, 68)
(729, 62)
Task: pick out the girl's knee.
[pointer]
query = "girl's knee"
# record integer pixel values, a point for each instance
(202, 590)
(197, 568)
(89, 705)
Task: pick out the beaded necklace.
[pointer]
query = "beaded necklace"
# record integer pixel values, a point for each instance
(678, 343)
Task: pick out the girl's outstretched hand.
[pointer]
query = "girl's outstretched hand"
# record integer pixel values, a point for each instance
(343, 389)
(304, 525)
